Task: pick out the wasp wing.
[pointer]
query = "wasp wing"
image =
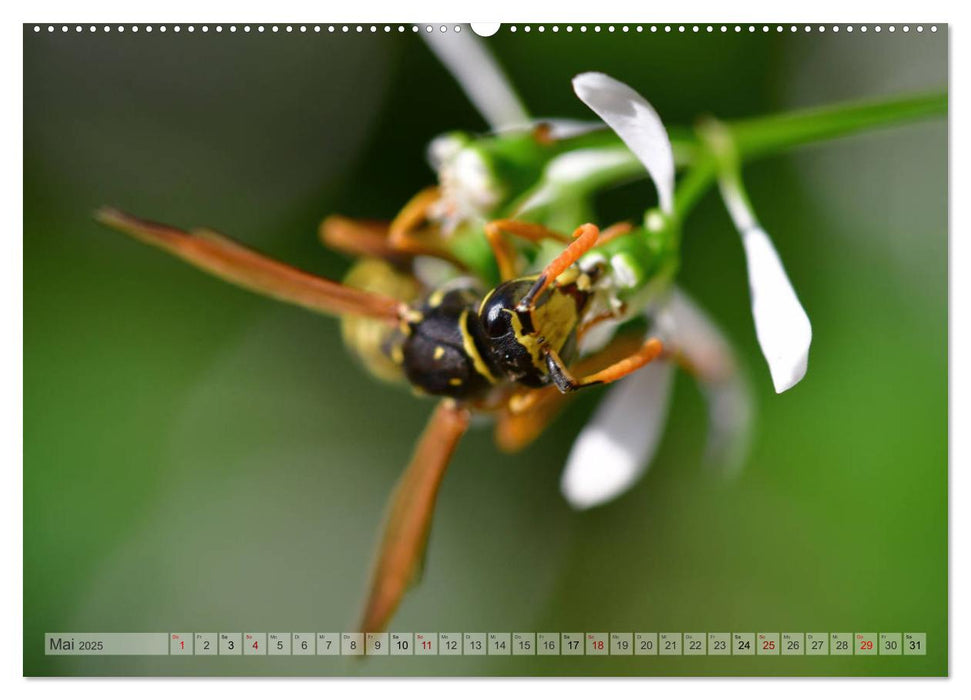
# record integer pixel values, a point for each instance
(230, 261)
(409, 515)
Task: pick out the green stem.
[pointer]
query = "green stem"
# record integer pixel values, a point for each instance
(772, 134)
(694, 184)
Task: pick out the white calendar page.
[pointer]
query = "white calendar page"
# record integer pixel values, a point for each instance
(709, 440)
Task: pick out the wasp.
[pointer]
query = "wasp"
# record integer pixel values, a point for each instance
(509, 351)
(501, 332)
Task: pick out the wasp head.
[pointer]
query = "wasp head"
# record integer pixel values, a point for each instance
(518, 333)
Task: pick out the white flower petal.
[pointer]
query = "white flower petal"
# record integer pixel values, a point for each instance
(444, 149)
(729, 422)
(617, 445)
(781, 324)
(683, 325)
(479, 76)
(596, 339)
(582, 163)
(637, 124)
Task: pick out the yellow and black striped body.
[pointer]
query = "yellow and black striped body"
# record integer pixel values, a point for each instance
(455, 343)
(444, 350)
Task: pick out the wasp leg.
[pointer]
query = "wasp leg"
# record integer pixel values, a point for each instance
(565, 381)
(584, 238)
(409, 515)
(502, 248)
(409, 220)
(411, 233)
(403, 238)
(526, 415)
(621, 228)
(234, 263)
(359, 238)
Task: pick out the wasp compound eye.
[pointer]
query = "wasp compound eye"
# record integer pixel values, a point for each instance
(496, 321)
(498, 308)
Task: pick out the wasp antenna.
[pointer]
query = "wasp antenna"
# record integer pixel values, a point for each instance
(584, 238)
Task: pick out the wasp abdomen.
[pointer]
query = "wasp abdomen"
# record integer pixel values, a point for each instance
(443, 349)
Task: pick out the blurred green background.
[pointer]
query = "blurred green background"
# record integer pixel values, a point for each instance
(198, 458)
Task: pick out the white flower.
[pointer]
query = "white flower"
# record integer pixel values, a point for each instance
(781, 323)
(468, 189)
(617, 445)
